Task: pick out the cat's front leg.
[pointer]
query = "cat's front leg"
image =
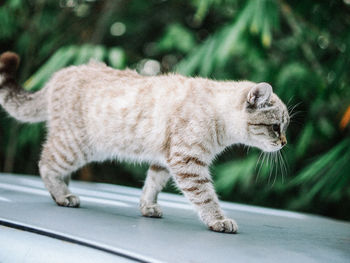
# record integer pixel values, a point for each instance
(193, 177)
(157, 177)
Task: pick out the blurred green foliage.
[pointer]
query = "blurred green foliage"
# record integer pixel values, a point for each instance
(301, 47)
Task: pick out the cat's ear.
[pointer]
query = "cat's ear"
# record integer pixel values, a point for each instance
(259, 94)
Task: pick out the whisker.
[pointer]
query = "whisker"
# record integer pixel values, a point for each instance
(258, 159)
(295, 113)
(280, 161)
(261, 165)
(248, 148)
(276, 166)
(270, 165)
(289, 101)
(284, 162)
(291, 109)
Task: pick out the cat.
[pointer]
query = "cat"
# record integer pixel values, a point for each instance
(175, 123)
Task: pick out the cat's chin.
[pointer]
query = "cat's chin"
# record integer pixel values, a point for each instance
(267, 147)
(270, 148)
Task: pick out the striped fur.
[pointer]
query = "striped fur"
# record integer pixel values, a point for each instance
(178, 124)
(22, 105)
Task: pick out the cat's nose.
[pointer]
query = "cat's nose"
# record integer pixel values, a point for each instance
(283, 140)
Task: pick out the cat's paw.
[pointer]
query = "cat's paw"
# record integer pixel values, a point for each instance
(224, 225)
(69, 200)
(151, 210)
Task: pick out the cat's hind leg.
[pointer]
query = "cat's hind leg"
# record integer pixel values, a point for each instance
(57, 162)
(157, 178)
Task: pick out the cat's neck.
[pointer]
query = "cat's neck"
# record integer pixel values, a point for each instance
(229, 101)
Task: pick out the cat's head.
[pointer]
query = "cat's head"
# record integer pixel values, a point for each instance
(267, 118)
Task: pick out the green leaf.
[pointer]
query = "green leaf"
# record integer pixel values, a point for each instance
(176, 37)
(305, 140)
(59, 60)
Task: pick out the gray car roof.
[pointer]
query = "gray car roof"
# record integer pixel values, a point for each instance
(23, 246)
(109, 220)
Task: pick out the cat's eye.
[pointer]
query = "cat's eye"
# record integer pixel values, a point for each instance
(276, 128)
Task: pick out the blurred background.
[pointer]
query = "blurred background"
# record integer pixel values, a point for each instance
(301, 47)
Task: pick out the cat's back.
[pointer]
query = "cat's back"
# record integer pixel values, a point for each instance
(94, 73)
(97, 85)
(97, 76)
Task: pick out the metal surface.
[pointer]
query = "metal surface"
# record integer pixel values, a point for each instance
(109, 219)
(23, 246)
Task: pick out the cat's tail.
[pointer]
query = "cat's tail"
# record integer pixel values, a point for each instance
(23, 105)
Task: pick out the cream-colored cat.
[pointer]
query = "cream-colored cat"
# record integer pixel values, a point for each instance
(175, 123)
